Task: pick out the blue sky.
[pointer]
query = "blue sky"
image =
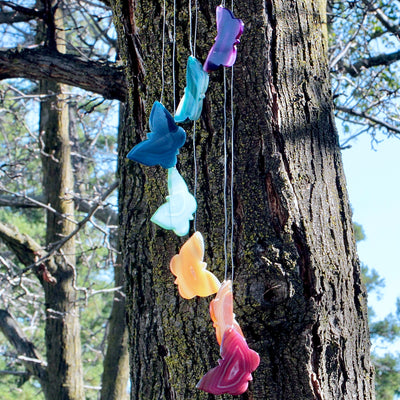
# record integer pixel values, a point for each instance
(373, 184)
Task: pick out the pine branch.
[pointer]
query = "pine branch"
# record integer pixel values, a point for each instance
(104, 78)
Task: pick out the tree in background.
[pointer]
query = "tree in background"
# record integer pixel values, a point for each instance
(383, 334)
(64, 249)
(364, 62)
(294, 251)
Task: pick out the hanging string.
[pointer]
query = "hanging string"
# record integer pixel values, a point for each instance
(195, 174)
(193, 52)
(232, 174)
(225, 184)
(192, 43)
(195, 28)
(232, 170)
(190, 28)
(162, 57)
(173, 57)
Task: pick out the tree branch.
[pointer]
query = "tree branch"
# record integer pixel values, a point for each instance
(104, 214)
(23, 246)
(103, 78)
(19, 14)
(381, 59)
(26, 350)
(57, 246)
(13, 17)
(383, 18)
(371, 118)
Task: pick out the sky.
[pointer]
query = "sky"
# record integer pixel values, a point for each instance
(374, 191)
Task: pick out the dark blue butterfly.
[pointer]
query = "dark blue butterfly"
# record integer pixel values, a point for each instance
(162, 143)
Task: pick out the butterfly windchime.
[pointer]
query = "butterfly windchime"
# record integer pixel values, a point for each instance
(161, 147)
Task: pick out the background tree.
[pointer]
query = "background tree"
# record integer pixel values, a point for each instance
(61, 375)
(364, 61)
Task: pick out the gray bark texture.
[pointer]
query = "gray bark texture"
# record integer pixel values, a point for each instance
(297, 288)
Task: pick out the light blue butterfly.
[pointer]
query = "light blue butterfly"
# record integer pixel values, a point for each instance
(191, 103)
(179, 208)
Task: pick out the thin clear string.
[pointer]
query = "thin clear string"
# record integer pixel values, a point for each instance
(162, 56)
(190, 28)
(232, 176)
(193, 36)
(225, 183)
(195, 174)
(195, 28)
(193, 52)
(173, 57)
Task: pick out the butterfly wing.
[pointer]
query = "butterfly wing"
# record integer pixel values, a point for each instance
(233, 373)
(223, 52)
(178, 210)
(221, 311)
(156, 150)
(192, 277)
(191, 104)
(163, 142)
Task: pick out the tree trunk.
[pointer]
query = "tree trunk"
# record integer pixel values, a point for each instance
(114, 382)
(62, 332)
(298, 294)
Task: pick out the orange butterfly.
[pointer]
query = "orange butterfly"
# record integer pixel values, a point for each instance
(192, 277)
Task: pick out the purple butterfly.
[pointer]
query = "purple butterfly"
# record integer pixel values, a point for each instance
(223, 52)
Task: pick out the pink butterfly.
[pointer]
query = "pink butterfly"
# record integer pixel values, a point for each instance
(221, 311)
(233, 373)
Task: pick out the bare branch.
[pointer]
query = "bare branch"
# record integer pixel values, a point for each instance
(83, 222)
(371, 118)
(18, 373)
(23, 246)
(28, 251)
(19, 13)
(104, 214)
(13, 17)
(25, 349)
(383, 18)
(379, 60)
(104, 78)
(38, 203)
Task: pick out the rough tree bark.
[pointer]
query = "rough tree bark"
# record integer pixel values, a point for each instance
(298, 293)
